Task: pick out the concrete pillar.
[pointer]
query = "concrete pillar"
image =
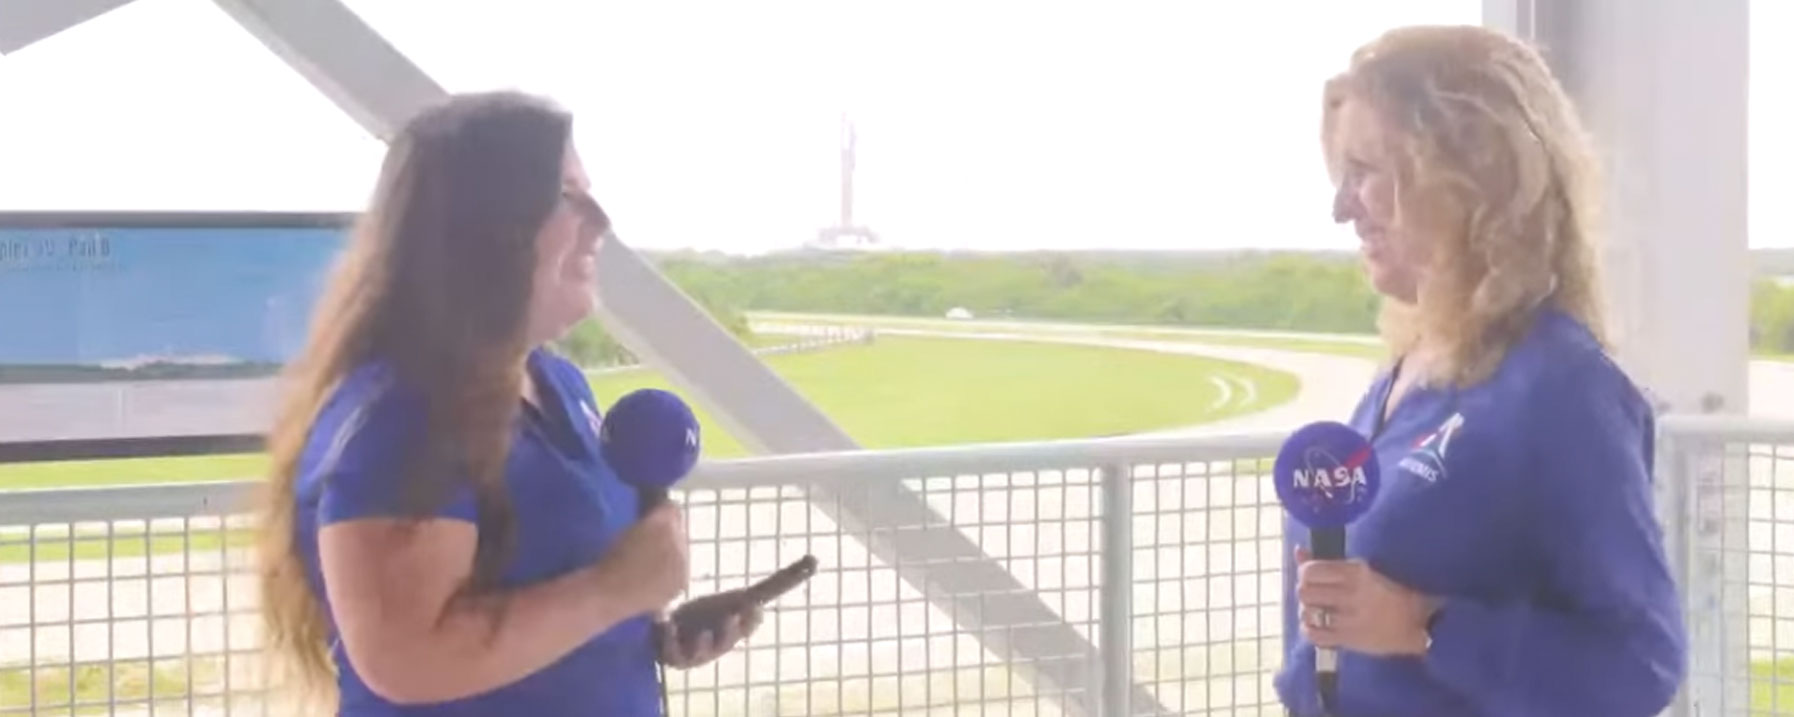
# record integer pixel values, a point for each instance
(1663, 86)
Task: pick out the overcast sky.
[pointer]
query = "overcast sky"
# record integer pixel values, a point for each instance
(983, 125)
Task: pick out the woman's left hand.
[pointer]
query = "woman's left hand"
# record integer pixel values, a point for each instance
(709, 645)
(1348, 605)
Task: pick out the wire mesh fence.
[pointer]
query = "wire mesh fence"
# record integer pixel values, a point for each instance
(1089, 577)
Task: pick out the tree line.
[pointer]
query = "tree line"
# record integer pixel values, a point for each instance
(1772, 316)
(1255, 290)
(1295, 291)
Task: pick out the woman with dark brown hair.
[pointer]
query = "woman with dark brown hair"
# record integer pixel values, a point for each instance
(442, 535)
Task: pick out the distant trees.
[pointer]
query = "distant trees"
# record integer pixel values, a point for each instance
(1258, 290)
(1772, 316)
(588, 344)
(1297, 291)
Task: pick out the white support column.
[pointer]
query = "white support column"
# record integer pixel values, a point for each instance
(24, 22)
(337, 52)
(377, 85)
(1663, 87)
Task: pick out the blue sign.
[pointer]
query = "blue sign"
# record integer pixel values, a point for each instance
(1326, 475)
(136, 303)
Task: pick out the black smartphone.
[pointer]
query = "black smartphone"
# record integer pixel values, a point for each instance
(709, 612)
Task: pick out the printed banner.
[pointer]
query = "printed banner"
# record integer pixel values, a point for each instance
(138, 303)
(114, 330)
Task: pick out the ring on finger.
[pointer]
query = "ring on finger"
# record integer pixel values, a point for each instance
(1323, 618)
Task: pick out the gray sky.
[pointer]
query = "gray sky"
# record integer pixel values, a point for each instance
(987, 125)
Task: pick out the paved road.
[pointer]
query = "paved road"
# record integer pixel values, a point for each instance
(36, 412)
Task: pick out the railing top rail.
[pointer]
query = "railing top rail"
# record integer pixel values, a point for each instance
(66, 505)
(976, 459)
(130, 502)
(1731, 428)
(157, 500)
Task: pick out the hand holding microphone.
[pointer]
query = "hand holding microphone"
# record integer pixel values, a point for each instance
(1369, 613)
(1326, 476)
(649, 565)
(650, 438)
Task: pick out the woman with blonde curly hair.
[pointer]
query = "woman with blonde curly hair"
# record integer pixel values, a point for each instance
(1512, 563)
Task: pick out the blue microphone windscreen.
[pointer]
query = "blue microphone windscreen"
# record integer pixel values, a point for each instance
(1326, 475)
(650, 438)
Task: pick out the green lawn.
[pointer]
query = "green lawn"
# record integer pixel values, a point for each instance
(96, 544)
(125, 681)
(904, 392)
(1772, 687)
(897, 392)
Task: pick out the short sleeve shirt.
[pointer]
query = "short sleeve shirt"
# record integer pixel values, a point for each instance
(569, 507)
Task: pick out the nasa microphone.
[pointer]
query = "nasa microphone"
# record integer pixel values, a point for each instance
(651, 439)
(1326, 476)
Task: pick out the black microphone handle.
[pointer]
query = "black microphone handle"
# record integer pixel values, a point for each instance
(652, 498)
(1327, 544)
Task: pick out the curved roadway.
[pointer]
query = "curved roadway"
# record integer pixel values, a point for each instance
(1329, 385)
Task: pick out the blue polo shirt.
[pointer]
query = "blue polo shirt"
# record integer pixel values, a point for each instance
(569, 507)
(1524, 502)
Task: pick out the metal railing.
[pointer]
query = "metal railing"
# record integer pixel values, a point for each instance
(1726, 496)
(1158, 562)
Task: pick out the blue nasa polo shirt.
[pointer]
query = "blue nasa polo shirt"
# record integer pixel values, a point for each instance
(569, 507)
(1525, 503)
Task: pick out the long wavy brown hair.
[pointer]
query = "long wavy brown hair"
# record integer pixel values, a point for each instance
(436, 283)
(1493, 164)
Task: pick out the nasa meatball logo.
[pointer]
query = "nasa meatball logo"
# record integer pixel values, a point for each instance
(1324, 476)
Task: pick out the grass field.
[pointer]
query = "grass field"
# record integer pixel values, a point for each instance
(896, 393)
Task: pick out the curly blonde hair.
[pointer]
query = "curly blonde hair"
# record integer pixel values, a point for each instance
(1493, 166)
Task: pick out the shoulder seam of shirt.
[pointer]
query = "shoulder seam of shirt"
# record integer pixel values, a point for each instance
(347, 429)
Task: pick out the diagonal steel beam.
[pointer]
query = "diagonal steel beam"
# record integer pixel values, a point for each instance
(376, 84)
(667, 330)
(25, 22)
(334, 49)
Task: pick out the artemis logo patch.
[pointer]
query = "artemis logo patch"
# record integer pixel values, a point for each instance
(1427, 460)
